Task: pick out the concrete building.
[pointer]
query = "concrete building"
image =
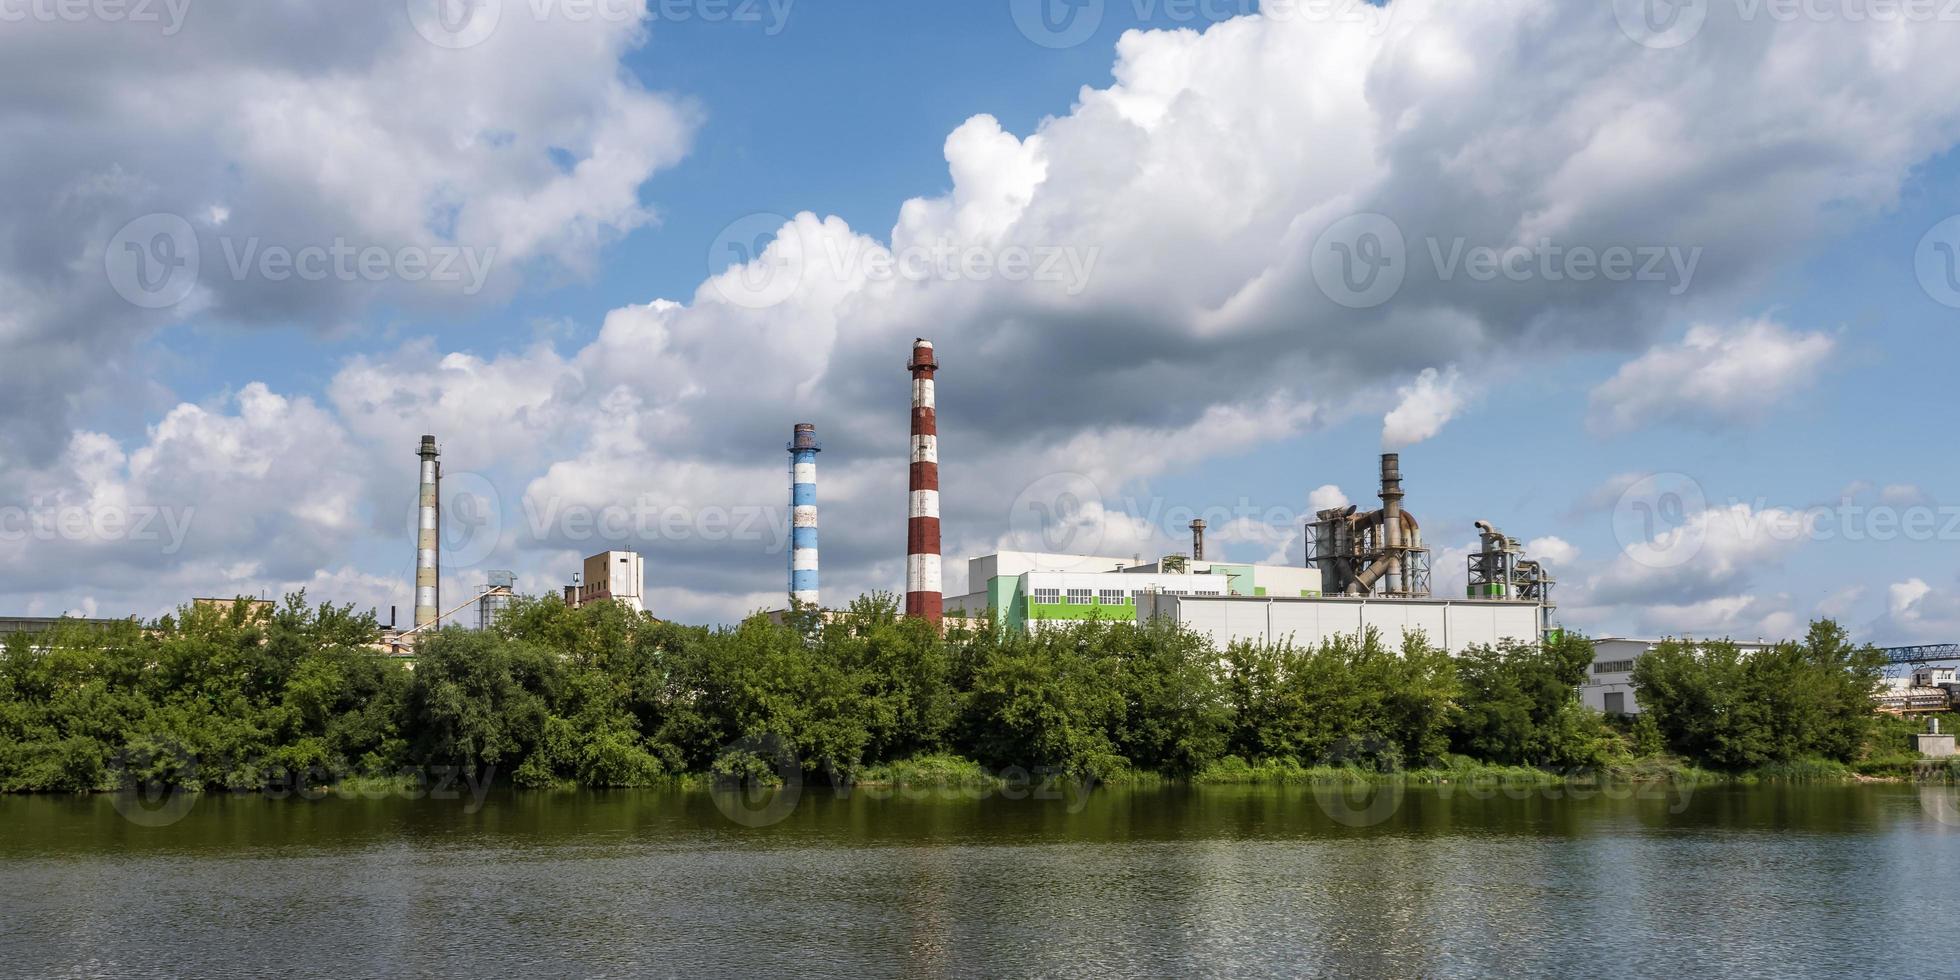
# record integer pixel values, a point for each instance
(1454, 625)
(1022, 590)
(1609, 685)
(616, 575)
(1229, 602)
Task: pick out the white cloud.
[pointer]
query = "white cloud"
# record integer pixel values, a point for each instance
(1555, 551)
(1918, 612)
(1182, 204)
(1328, 497)
(1714, 377)
(1426, 406)
(282, 124)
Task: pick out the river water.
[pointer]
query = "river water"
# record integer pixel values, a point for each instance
(1433, 882)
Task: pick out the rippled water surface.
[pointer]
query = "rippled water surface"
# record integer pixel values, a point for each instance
(1729, 882)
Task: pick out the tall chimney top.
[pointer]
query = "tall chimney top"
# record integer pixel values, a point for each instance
(923, 358)
(428, 450)
(1198, 539)
(806, 438)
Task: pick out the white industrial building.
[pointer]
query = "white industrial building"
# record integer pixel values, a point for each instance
(1609, 685)
(1033, 590)
(1454, 625)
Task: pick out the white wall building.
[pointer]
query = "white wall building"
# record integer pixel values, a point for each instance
(1609, 686)
(1454, 625)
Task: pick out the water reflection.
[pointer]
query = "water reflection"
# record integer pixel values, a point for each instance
(1731, 881)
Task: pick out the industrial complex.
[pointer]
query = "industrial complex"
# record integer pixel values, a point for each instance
(1362, 571)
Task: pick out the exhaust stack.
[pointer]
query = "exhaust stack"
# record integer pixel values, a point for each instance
(803, 450)
(1198, 540)
(428, 543)
(1392, 519)
(923, 596)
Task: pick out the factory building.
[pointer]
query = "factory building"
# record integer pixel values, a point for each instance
(1609, 684)
(1928, 689)
(1364, 571)
(615, 575)
(1020, 590)
(1454, 625)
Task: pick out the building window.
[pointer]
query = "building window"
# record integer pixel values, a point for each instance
(1110, 597)
(1613, 667)
(1047, 597)
(1080, 597)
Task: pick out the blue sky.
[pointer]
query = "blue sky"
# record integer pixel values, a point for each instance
(1802, 367)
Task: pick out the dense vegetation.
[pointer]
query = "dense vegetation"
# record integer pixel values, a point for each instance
(602, 697)
(1734, 710)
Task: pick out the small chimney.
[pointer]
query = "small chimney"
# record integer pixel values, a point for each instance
(1198, 540)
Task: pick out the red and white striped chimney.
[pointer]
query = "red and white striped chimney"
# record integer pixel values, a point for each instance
(923, 599)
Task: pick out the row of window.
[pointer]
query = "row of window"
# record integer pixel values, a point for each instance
(1098, 597)
(1613, 667)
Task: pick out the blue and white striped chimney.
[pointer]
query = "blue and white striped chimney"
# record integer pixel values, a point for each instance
(803, 452)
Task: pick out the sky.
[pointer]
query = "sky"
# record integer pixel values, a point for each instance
(1665, 290)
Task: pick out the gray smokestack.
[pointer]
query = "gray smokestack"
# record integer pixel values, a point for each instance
(428, 537)
(1198, 540)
